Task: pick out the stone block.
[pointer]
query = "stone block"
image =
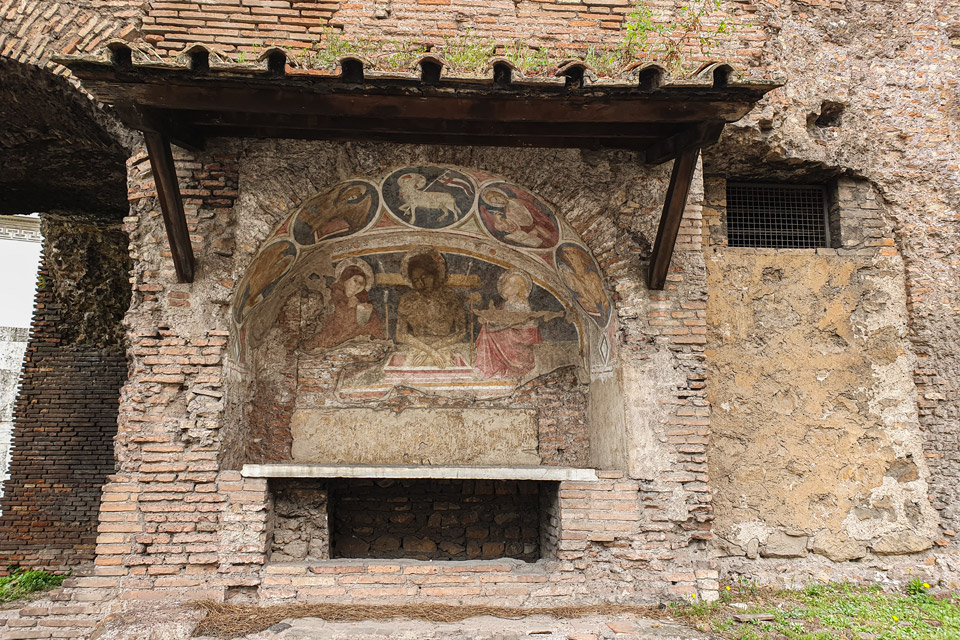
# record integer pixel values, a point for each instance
(837, 547)
(900, 543)
(782, 545)
(412, 544)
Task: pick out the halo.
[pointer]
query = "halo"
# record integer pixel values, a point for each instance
(437, 258)
(360, 264)
(486, 192)
(527, 280)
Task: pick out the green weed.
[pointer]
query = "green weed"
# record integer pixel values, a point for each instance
(21, 583)
(829, 611)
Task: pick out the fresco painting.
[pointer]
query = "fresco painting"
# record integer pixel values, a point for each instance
(429, 197)
(517, 217)
(581, 275)
(442, 321)
(349, 313)
(343, 210)
(495, 300)
(510, 329)
(274, 262)
(431, 323)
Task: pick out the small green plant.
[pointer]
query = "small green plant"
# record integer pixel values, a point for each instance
(530, 60)
(21, 583)
(467, 53)
(746, 586)
(825, 612)
(698, 28)
(919, 590)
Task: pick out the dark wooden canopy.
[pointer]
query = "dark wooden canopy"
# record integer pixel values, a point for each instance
(185, 104)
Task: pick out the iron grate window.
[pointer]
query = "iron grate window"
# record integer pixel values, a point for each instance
(778, 216)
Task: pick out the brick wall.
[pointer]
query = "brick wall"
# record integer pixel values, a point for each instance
(250, 25)
(435, 519)
(607, 551)
(64, 422)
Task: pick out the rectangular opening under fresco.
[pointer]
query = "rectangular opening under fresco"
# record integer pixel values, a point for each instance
(422, 519)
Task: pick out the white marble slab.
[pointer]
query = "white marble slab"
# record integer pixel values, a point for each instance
(550, 474)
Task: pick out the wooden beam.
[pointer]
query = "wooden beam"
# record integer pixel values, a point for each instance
(185, 136)
(356, 125)
(632, 144)
(171, 204)
(306, 98)
(701, 135)
(673, 205)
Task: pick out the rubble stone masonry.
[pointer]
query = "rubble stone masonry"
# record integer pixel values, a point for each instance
(177, 517)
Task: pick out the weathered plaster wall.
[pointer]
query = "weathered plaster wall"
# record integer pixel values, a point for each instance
(13, 342)
(886, 70)
(816, 446)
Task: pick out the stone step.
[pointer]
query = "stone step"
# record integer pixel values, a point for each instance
(484, 628)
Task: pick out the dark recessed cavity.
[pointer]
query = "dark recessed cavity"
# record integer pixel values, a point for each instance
(574, 76)
(277, 62)
(650, 79)
(122, 57)
(502, 73)
(423, 519)
(830, 114)
(721, 76)
(351, 70)
(430, 71)
(200, 60)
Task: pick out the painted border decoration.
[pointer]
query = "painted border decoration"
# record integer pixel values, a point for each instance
(269, 267)
(581, 275)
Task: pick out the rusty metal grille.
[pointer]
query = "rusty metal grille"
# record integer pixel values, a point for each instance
(778, 216)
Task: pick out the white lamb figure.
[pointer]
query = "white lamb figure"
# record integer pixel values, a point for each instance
(413, 195)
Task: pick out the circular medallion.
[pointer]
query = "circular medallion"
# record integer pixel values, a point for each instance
(429, 197)
(516, 217)
(340, 211)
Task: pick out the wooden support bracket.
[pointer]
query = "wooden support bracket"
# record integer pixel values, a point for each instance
(673, 205)
(171, 204)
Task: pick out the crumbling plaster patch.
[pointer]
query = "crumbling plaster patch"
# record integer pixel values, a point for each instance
(815, 430)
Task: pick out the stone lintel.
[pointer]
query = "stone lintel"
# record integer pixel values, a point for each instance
(552, 474)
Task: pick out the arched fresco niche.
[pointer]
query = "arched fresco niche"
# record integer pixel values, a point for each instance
(437, 315)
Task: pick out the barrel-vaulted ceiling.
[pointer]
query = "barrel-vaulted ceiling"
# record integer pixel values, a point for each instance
(58, 151)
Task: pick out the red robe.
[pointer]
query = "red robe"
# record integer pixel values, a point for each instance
(506, 353)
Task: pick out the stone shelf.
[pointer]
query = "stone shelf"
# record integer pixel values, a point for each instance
(412, 471)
